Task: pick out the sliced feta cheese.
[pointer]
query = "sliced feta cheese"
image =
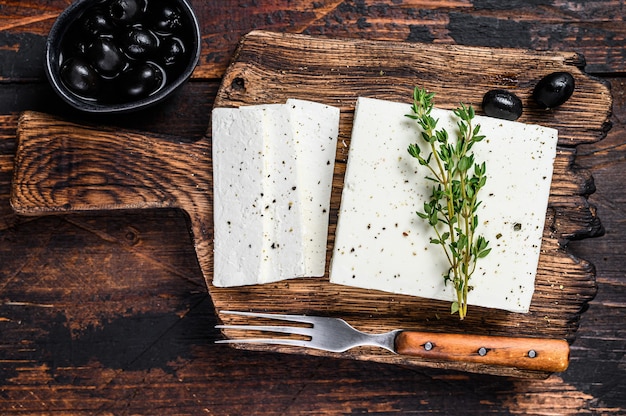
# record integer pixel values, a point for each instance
(238, 162)
(315, 128)
(380, 242)
(272, 179)
(283, 255)
(257, 221)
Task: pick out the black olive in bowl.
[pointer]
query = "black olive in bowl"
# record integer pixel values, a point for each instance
(112, 56)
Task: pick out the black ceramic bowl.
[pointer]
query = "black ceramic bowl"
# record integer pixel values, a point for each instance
(113, 56)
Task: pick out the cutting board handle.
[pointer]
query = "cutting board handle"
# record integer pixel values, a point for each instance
(63, 167)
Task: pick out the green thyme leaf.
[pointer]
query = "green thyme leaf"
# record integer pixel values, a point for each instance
(454, 308)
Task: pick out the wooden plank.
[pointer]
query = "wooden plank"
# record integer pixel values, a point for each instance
(101, 370)
(550, 25)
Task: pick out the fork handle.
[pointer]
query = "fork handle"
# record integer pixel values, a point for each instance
(540, 354)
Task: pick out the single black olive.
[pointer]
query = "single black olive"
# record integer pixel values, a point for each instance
(143, 80)
(139, 43)
(173, 50)
(106, 57)
(554, 89)
(502, 104)
(126, 11)
(80, 77)
(96, 23)
(166, 19)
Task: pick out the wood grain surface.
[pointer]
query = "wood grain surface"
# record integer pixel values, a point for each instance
(108, 312)
(63, 167)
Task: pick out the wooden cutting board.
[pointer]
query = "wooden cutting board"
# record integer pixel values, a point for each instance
(63, 167)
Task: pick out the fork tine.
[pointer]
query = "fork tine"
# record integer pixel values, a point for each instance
(269, 328)
(280, 317)
(275, 341)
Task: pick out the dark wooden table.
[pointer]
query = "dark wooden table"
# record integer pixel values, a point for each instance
(108, 313)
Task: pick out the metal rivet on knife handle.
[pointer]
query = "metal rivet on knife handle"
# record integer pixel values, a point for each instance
(428, 346)
(482, 351)
(532, 354)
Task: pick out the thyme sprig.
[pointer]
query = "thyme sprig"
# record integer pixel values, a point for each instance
(457, 179)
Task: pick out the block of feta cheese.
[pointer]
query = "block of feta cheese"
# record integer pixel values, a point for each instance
(381, 243)
(315, 128)
(271, 174)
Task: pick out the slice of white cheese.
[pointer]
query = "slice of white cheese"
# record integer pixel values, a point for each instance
(238, 149)
(315, 128)
(283, 255)
(380, 242)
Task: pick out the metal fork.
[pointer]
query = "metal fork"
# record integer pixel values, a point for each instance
(329, 334)
(336, 335)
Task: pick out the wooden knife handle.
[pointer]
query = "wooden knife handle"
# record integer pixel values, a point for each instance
(540, 354)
